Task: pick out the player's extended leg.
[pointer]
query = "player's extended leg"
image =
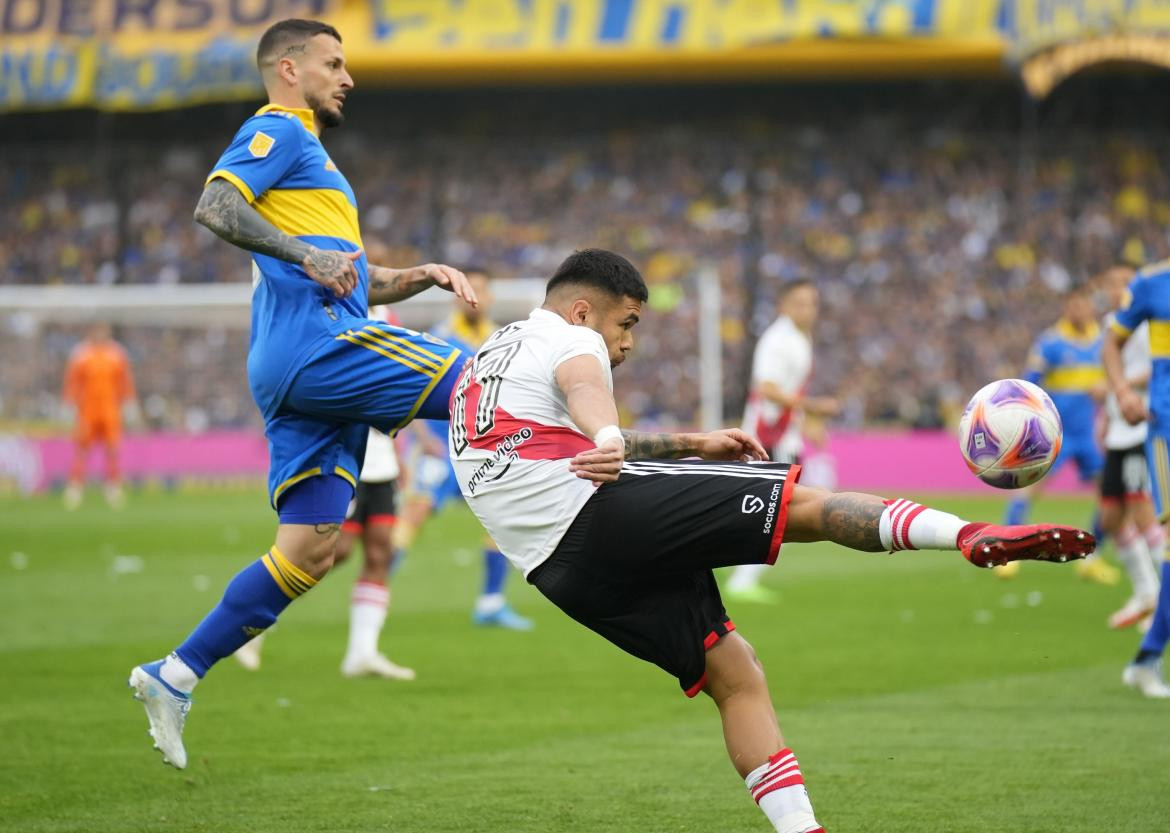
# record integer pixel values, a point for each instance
(311, 515)
(873, 524)
(369, 604)
(735, 681)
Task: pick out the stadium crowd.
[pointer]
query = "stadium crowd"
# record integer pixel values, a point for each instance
(940, 244)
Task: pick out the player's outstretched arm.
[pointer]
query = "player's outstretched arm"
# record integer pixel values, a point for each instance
(727, 444)
(224, 209)
(390, 285)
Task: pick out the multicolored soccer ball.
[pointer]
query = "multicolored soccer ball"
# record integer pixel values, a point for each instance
(1010, 434)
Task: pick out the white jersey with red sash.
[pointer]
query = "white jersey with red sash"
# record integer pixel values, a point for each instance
(512, 438)
(783, 356)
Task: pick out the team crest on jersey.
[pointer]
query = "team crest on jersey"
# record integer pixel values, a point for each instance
(260, 145)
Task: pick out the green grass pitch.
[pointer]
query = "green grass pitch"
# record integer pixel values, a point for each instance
(919, 693)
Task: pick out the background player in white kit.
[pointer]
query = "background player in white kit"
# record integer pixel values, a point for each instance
(782, 366)
(1127, 511)
(533, 434)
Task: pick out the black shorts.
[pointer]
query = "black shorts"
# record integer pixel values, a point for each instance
(1126, 475)
(635, 565)
(372, 505)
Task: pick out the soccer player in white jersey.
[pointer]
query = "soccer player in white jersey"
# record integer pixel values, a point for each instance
(1127, 511)
(621, 535)
(778, 401)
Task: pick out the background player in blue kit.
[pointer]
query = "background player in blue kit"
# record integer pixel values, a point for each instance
(1149, 301)
(319, 369)
(1066, 361)
(432, 478)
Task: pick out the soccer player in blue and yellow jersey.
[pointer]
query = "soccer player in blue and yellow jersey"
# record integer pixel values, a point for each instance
(1066, 361)
(1149, 300)
(320, 370)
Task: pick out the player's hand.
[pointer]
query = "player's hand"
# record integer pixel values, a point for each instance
(1132, 407)
(334, 270)
(602, 464)
(450, 279)
(730, 444)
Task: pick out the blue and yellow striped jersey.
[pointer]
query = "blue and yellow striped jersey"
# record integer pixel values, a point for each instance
(281, 167)
(1066, 362)
(1149, 300)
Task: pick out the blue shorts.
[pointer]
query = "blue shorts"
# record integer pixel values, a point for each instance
(1158, 453)
(374, 374)
(1083, 451)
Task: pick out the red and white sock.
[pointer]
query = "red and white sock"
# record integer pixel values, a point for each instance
(778, 788)
(367, 615)
(906, 525)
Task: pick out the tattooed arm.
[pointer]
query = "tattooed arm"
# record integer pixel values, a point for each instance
(390, 285)
(224, 210)
(643, 445)
(728, 444)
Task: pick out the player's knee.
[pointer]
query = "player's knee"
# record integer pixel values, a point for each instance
(315, 556)
(734, 669)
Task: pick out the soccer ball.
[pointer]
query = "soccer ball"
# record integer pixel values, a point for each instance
(1010, 434)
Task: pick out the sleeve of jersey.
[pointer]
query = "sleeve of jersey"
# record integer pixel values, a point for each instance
(262, 153)
(1134, 309)
(585, 343)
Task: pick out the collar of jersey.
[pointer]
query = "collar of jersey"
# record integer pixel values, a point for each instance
(541, 312)
(1066, 329)
(304, 114)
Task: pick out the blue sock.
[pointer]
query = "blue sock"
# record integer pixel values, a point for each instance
(250, 604)
(1017, 512)
(1154, 643)
(495, 571)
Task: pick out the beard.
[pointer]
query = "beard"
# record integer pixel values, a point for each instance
(326, 116)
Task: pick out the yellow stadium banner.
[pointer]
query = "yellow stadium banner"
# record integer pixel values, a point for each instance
(1052, 40)
(143, 54)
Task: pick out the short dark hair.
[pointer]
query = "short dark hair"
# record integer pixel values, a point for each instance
(1078, 290)
(797, 283)
(286, 34)
(477, 270)
(600, 269)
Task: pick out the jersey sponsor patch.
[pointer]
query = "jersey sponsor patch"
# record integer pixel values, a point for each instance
(261, 144)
